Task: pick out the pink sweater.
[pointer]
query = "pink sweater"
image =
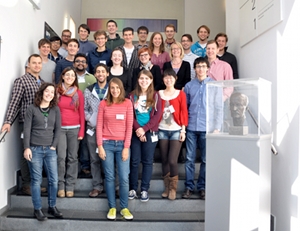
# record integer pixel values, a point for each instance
(115, 122)
(70, 116)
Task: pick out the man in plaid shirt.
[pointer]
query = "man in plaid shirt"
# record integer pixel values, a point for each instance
(22, 96)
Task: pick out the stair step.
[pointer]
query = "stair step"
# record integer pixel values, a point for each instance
(23, 219)
(82, 202)
(156, 185)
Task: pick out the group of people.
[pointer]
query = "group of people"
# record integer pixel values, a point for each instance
(112, 101)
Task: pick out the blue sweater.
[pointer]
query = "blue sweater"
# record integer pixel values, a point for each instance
(86, 46)
(60, 66)
(95, 57)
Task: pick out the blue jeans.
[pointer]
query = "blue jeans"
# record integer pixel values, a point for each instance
(194, 139)
(43, 156)
(141, 151)
(113, 150)
(168, 135)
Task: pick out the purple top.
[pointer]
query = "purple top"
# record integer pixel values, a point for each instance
(160, 59)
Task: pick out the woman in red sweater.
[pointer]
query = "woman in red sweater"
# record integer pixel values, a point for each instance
(171, 131)
(113, 132)
(71, 105)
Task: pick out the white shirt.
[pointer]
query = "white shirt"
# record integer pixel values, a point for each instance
(190, 57)
(128, 53)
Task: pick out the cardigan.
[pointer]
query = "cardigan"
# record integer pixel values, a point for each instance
(179, 104)
(183, 74)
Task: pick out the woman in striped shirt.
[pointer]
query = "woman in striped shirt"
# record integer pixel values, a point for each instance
(114, 130)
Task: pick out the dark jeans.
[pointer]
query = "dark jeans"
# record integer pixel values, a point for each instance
(84, 155)
(194, 139)
(141, 152)
(25, 173)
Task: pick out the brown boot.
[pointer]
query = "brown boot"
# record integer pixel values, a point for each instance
(173, 187)
(165, 194)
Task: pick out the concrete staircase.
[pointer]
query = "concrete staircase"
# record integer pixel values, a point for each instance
(84, 213)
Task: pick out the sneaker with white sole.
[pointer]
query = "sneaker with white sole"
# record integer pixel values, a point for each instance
(112, 214)
(126, 214)
(144, 196)
(132, 194)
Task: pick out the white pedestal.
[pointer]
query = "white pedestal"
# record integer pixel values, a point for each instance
(238, 183)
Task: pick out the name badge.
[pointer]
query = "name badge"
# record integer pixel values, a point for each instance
(22, 135)
(81, 80)
(96, 150)
(143, 97)
(154, 138)
(90, 132)
(103, 61)
(119, 117)
(171, 108)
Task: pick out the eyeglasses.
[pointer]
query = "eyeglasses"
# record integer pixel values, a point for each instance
(69, 75)
(201, 66)
(80, 61)
(100, 38)
(56, 42)
(144, 55)
(67, 36)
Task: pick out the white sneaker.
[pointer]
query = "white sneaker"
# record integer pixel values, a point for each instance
(144, 196)
(132, 194)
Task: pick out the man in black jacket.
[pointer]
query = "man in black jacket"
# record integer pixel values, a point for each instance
(222, 40)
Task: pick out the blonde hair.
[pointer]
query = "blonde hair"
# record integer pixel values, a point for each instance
(180, 47)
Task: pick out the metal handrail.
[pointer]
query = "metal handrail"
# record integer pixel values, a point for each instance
(2, 135)
(273, 149)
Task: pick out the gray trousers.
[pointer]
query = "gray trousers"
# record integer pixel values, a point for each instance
(95, 162)
(67, 159)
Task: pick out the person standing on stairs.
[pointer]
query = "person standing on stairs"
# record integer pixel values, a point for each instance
(196, 93)
(147, 113)
(113, 133)
(41, 133)
(171, 131)
(71, 105)
(22, 96)
(93, 95)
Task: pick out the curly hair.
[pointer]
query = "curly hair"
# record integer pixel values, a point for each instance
(39, 95)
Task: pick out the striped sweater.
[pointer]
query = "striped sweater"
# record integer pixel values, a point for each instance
(115, 122)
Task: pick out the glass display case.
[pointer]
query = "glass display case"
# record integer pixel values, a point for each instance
(239, 107)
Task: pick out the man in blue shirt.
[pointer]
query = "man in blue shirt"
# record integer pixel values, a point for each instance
(196, 92)
(199, 47)
(85, 46)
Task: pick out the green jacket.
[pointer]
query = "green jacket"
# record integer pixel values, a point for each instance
(113, 43)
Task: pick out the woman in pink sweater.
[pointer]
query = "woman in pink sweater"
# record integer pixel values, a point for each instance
(114, 130)
(71, 105)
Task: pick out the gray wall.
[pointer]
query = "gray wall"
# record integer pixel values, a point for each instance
(189, 13)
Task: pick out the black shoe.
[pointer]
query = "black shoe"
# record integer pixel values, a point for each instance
(55, 212)
(202, 194)
(38, 213)
(187, 194)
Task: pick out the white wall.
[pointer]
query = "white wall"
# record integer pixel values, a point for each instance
(202, 12)
(274, 56)
(21, 28)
